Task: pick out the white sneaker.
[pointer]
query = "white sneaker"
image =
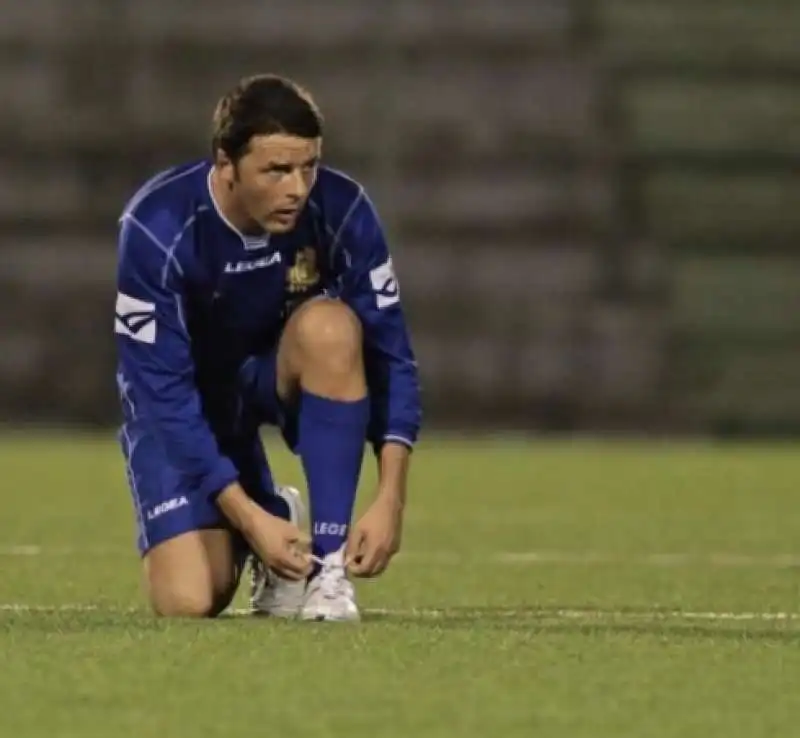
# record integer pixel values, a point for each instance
(330, 595)
(270, 593)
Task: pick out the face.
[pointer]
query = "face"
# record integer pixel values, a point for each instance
(270, 184)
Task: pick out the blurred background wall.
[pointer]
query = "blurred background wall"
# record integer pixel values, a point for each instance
(594, 205)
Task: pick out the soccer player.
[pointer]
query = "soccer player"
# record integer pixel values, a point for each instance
(257, 288)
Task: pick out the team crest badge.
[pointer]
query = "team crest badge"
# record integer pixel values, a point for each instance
(304, 274)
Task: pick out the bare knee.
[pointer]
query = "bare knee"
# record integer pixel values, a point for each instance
(329, 332)
(186, 603)
(326, 338)
(192, 575)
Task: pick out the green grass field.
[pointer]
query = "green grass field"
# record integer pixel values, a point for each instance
(585, 589)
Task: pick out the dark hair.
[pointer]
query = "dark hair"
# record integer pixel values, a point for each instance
(260, 106)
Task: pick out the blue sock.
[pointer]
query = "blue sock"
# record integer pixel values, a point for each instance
(331, 439)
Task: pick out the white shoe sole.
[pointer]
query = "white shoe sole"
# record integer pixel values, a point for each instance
(321, 618)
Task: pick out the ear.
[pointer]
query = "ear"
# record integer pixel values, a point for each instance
(225, 166)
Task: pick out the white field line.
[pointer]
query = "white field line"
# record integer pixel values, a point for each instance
(510, 558)
(586, 615)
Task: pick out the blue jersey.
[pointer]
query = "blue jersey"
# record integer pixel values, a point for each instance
(196, 297)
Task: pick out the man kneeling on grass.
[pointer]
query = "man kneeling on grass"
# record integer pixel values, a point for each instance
(254, 288)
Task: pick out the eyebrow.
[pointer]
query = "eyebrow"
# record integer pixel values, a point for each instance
(288, 164)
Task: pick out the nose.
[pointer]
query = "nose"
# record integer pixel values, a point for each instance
(298, 189)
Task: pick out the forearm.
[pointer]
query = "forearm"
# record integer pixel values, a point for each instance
(393, 465)
(236, 506)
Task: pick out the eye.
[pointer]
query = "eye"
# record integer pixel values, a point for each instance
(279, 169)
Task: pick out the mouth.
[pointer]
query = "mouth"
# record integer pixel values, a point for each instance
(285, 213)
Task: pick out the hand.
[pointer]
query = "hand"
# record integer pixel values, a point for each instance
(280, 545)
(375, 538)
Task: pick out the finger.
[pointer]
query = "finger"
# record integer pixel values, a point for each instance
(354, 546)
(294, 565)
(358, 562)
(302, 539)
(296, 573)
(301, 544)
(291, 533)
(355, 542)
(371, 562)
(382, 565)
(286, 573)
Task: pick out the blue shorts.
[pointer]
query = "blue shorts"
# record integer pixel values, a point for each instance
(166, 502)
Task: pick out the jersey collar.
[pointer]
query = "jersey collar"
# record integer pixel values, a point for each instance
(250, 243)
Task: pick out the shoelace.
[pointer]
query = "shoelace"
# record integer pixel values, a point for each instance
(332, 580)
